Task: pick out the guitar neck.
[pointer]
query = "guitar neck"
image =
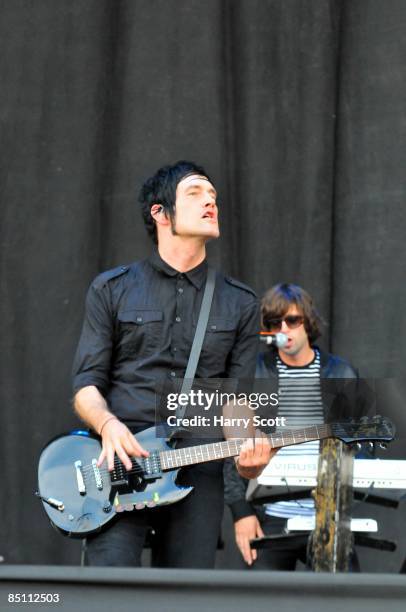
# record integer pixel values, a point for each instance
(203, 453)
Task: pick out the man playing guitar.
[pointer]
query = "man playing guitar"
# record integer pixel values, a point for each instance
(138, 329)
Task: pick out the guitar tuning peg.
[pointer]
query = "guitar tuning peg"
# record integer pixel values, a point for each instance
(370, 445)
(356, 446)
(383, 445)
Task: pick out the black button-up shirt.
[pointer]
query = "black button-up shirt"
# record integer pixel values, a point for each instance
(139, 327)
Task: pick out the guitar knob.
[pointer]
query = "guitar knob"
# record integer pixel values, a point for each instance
(107, 507)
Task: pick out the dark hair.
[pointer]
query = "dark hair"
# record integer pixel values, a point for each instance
(161, 189)
(278, 299)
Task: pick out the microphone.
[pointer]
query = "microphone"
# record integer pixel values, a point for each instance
(279, 340)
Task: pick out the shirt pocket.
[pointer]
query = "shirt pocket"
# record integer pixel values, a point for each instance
(218, 343)
(139, 333)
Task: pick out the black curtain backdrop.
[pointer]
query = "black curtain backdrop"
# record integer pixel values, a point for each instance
(296, 108)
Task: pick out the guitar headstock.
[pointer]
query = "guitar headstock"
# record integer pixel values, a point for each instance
(367, 429)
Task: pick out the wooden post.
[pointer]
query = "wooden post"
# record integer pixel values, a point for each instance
(332, 540)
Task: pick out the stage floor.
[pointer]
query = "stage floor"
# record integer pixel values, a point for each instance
(73, 589)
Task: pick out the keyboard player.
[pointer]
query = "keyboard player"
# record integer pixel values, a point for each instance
(299, 367)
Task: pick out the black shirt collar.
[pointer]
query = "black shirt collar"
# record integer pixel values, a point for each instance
(196, 276)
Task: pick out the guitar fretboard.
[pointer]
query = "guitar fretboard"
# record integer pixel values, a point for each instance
(231, 448)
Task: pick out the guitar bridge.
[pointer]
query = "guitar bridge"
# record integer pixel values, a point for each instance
(97, 475)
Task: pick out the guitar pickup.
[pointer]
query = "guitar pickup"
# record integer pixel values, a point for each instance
(119, 476)
(79, 478)
(152, 466)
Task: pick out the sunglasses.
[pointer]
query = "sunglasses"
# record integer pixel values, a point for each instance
(292, 321)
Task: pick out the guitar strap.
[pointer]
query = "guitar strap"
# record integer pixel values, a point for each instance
(199, 337)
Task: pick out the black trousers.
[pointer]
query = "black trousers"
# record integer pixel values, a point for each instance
(186, 533)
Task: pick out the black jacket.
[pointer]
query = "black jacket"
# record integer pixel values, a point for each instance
(341, 398)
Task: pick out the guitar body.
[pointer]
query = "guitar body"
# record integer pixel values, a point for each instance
(88, 512)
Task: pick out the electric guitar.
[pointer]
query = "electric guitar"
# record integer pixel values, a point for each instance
(80, 498)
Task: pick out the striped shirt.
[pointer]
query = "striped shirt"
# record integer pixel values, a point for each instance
(301, 404)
